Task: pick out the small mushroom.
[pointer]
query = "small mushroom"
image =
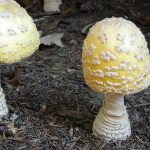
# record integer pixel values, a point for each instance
(52, 5)
(115, 62)
(19, 38)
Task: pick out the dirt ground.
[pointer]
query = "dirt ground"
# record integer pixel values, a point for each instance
(48, 100)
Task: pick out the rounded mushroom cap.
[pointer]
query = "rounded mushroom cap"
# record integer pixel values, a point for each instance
(19, 37)
(116, 58)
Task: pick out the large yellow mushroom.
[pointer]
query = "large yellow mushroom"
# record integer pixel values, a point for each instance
(19, 38)
(115, 62)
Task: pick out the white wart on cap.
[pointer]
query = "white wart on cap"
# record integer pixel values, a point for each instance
(116, 58)
(19, 37)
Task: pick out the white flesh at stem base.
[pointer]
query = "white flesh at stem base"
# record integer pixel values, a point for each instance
(52, 5)
(3, 105)
(112, 121)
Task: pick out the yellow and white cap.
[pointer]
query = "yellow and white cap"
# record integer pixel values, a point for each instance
(19, 37)
(115, 57)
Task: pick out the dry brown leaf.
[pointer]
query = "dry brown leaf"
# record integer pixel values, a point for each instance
(54, 38)
(68, 113)
(8, 129)
(54, 125)
(22, 139)
(63, 12)
(12, 128)
(87, 6)
(15, 80)
(53, 25)
(23, 103)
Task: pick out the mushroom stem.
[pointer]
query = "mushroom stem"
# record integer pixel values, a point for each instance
(114, 104)
(52, 5)
(3, 105)
(112, 121)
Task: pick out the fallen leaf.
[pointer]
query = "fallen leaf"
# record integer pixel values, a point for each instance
(54, 38)
(81, 4)
(15, 80)
(87, 6)
(8, 129)
(23, 103)
(68, 113)
(63, 12)
(12, 128)
(53, 25)
(75, 114)
(22, 139)
(54, 125)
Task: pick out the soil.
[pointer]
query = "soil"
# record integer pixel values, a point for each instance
(49, 102)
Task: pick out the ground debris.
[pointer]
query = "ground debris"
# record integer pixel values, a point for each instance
(53, 25)
(54, 38)
(7, 129)
(15, 79)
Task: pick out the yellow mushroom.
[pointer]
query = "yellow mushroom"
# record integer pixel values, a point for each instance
(18, 34)
(115, 62)
(19, 38)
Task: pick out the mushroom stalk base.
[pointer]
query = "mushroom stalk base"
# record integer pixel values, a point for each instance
(52, 5)
(3, 105)
(112, 121)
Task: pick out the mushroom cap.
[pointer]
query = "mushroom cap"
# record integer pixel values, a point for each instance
(115, 57)
(19, 37)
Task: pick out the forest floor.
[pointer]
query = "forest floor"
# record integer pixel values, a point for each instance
(49, 103)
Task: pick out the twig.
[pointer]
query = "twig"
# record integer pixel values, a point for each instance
(84, 30)
(139, 105)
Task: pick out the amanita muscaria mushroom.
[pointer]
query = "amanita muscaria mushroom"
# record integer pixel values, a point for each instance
(115, 62)
(19, 38)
